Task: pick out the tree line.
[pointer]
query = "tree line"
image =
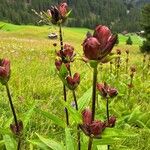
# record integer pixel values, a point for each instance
(85, 13)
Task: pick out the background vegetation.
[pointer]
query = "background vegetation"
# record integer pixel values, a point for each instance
(120, 15)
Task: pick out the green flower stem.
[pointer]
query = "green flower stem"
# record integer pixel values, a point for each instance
(61, 37)
(14, 115)
(19, 143)
(90, 143)
(94, 91)
(118, 66)
(64, 87)
(107, 112)
(129, 92)
(127, 63)
(12, 107)
(66, 110)
(107, 108)
(95, 72)
(76, 105)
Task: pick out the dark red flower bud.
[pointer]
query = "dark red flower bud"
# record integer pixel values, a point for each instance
(91, 48)
(110, 44)
(58, 64)
(111, 122)
(130, 85)
(97, 127)
(54, 44)
(100, 45)
(16, 130)
(58, 13)
(103, 34)
(102, 89)
(69, 52)
(72, 83)
(87, 116)
(4, 70)
(133, 69)
(55, 14)
(63, 9)
(112, 92)
(118, 52)
(127, 51)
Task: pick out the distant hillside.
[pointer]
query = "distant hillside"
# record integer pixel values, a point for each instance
(120, 15)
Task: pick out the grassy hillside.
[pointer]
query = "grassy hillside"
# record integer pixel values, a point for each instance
(34, 83)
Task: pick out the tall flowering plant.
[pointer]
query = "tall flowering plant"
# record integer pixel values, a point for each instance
(5, 72)
(65, 56)
(96, 49)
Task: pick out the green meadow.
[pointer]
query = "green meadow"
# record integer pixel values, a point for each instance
(35, 86)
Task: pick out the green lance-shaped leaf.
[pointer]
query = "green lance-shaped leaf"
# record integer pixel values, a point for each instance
(117, 133)
(69, 140)
(56, 120)
(134, 115)
(73, 112)
(10, 143)
(63, 73)
(39, 144)
(108, 58)
(27, 116)
(2, 142)
(68, 13)
(85, 99)
(51, 143)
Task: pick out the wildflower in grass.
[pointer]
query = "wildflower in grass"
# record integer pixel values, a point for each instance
(132, 70)
(87, 116)
(96, 49)
(58, 64)
(112, 92)
(127, 51)
(91, 128)
(16, 127)
(111, 122)
(67, 54)
(58, 14)
(127, 60)
(73, 82)
(4, 71)
(99, 45)
(102, 88)
(106, 90)
(118, 61)
(54, 44)
(118, 52)
(111, 63)
(130, 86)
(91, 48)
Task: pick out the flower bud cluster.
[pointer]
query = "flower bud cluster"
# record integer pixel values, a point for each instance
(98, 46)
(66, 57)
(105, 90)
(59, 13)
(4, 71)
(94, 128)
